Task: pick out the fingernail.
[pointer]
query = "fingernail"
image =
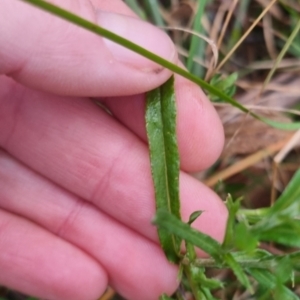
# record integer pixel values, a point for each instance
(138, 32)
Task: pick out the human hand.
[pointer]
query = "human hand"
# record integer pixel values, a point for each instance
(76, 195)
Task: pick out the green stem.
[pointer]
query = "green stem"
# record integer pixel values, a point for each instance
(245, 263)
(66, 15)
(194, 287)
(253, 215)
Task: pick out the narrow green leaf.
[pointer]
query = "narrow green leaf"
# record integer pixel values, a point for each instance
(171, 224)
(153, 8)
(161, 131)
(207, 295)
(197, 45)
(284, 210)
(280, 56)
(244, 239)
(233, 207)
(199, 283)
(64, 14)
(287, 234)
(284, 270)
(282, 292)
(295, 259)
(194, 216)
(263, 277)
(226, 85)
(199, 277)
(290, 195)
(258, 255)
(191, 254)
(238, 25)
(238, 271)
(135, 6)
(270, 282)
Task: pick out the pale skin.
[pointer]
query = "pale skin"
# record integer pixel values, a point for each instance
(76, 196)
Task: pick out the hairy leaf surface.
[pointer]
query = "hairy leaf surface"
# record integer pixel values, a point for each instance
(161, 131)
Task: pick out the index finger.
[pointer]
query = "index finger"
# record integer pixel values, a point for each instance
(199, 129)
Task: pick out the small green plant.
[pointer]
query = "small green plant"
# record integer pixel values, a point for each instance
(259, 272)
(226, 85)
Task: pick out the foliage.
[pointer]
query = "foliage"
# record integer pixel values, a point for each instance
(240, 252)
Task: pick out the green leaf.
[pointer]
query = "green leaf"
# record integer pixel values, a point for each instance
(191, 254)
(263, 277)
(135, 6)
(226, 85)
(154, 10)
(287, 234)
(161, 131)
(171, 224)
(290, 195)
(257, 255)
(295, 260)
(282, 292)
(197, 45)
(199, 277)
(269, 282)
(207, 295)
(200, 285)
(233, 207)
(238, 271)
(283, 211)
(194, 216)
(284, 269)
(244, 239)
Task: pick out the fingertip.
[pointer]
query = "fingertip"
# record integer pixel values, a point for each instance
(65, 59)
(199, 128)
(40, 264)
(197, 196)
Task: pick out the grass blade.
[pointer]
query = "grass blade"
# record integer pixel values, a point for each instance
(287, 45)
(134, 5)
(153, 10)
(285, 211)
(197, 45)
(161, 131)
(290, 195)
(238, 271)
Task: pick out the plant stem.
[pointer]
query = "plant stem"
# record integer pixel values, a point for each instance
(77, 20)
(245, 263)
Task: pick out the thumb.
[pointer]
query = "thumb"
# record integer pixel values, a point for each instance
(45, 52)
